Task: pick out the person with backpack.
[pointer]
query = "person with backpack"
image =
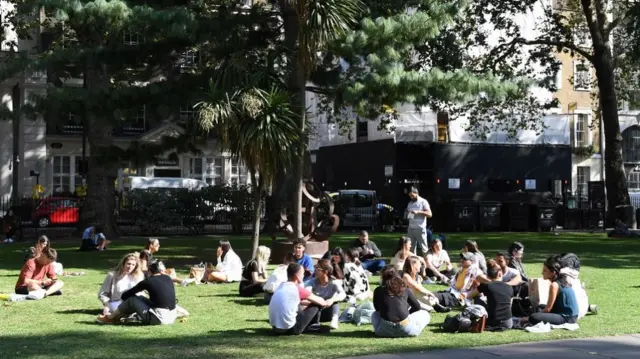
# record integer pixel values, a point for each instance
(398, 313)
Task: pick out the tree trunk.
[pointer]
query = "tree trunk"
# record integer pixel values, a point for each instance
(100, 202)
(257, 208)
(615, 177)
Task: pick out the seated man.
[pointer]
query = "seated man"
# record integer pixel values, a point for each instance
(368, 253)
(93, 239)
(462, 287)
(510, 276)
(303, 258)
(159, 308)
(38, 276)
(293, 308)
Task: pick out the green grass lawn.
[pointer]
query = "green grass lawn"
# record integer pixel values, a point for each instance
(222, 325)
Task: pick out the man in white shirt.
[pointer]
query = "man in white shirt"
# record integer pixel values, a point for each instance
(418, 210)
(293, 308)
(510, 275)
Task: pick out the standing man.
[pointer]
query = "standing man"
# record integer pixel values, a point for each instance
(418, 210)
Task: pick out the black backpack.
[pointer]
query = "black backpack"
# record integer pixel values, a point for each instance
(462, 322)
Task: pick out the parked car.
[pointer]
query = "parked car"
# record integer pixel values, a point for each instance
(56, 211)
(356, 208)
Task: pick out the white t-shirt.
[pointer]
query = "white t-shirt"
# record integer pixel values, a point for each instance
(283, 308)
(510, 274)
(277, 277)
(418, 220)
(438, 260)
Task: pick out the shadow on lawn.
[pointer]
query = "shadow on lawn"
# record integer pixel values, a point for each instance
(94, 312)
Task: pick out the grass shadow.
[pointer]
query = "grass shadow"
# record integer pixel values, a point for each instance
(80, 311)
(254, 302)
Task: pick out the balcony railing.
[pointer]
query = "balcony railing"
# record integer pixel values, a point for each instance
(132, 130)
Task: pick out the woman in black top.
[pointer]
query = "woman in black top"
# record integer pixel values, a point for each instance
(255, 275)
(498, 295)
(398, 312)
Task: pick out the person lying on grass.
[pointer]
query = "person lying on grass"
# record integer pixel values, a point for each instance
(38, 276)
(125, 276)
(159, 308)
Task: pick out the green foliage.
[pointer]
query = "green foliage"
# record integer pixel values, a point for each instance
(155, 209)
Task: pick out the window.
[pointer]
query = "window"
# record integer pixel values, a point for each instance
(581, 76)
(73, 124)
(238, 173)
(186, 113)
(61, 174)
(189, 59)
(206, 169)
(582, 130)
(78, 172)
(362, 130)
(631, 145)
(130, 38)
(584, 176)
(634, 181)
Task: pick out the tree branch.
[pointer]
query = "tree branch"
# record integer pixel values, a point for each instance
(596, 36)
(559, 44)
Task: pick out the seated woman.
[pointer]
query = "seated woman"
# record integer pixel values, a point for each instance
(516, 253)
(278, 277)
(562, 305)
(356, 280)
(255, 275)
(398, 312)
(147, 257)
(439, 265)
(326, 288)
(158, 309)
(480, 261)
(336, 256)
(229, 268)
(125, 276)
(402, 253)
(462, 288)
(413, 281)
(499, 295)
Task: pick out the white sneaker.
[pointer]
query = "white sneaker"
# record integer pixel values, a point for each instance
(8, 240)
(17, 297)
(37, 294)
(567, 326)
(539, 328)
(187, 281)
(334, 322)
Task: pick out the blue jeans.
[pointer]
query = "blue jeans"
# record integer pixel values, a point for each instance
(416, 324)
(373, 265)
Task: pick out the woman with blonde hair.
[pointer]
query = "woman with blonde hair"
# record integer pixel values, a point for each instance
(125, 276)
(255, 275)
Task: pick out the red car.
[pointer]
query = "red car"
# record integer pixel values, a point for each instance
(55, 211)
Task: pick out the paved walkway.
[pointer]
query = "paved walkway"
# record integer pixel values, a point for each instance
(619, 347)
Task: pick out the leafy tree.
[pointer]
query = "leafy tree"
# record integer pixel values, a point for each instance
(260, 128)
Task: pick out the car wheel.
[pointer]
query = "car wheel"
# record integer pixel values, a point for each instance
(44, 222)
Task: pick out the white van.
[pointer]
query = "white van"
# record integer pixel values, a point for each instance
(137, 182)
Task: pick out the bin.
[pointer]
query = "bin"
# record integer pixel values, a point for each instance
(573, 219)
(489, 215)
(544, 217)
(518, 216)
(593, 219)
(465, 214)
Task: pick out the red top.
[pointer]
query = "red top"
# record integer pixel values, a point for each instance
(34, 270)
(303, 293)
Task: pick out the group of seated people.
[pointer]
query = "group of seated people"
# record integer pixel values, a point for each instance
(302, 295)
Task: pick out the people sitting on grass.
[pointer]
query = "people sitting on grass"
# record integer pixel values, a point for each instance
(255, 274)
(413, 281)
(516, 253)
(356, 280)
(336, 256)
(439, 267)
(460, 292)
(303, 258)
(403, 252)
(229, 267)
(146, 256)
(398, 312)
(38, 278)
(278, 277)
(294, 309)
(509, 275)
(125, 276)
(369, 253)
(159, 308)
(93, 239)
(326, 288)
(562, 305)
(570, 269)
(41, 245)
(497, 297)
(479, 260)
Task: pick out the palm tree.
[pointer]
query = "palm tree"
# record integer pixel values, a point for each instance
(259, 128)
(309, 27)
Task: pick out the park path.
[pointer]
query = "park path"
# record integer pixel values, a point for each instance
(618, 347)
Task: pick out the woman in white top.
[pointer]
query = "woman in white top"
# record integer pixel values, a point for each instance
(229, 268)
(127, 274)
(402, 253)
(438, 262)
